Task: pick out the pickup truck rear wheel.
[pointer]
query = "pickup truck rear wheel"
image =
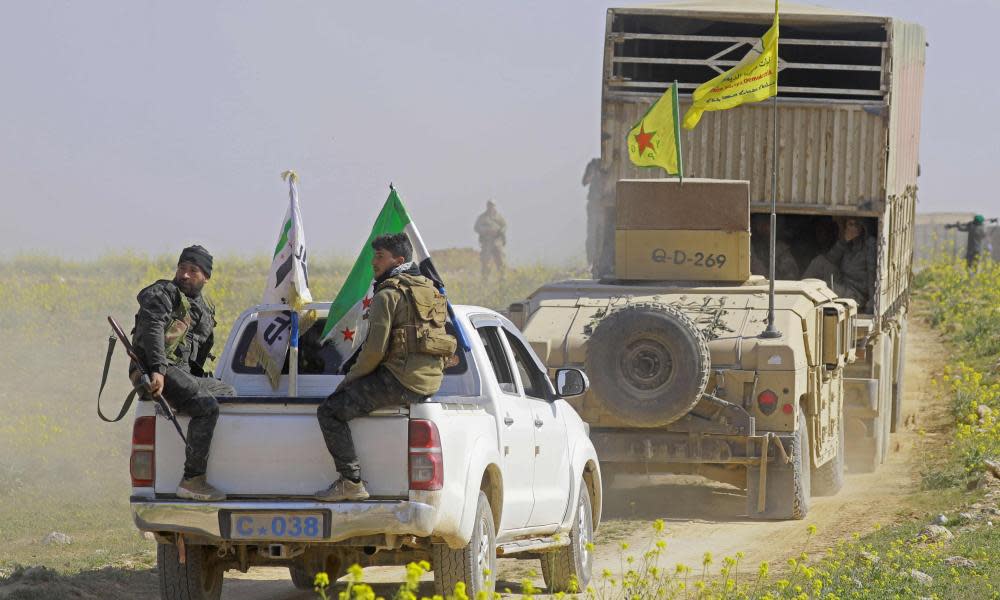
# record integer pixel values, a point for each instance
(568, 568)
(197, 579)
(475, 564)
(301, 579)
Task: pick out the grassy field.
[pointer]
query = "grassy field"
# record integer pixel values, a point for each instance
(61, 468)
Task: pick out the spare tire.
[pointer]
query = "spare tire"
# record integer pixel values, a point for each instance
(648, 364)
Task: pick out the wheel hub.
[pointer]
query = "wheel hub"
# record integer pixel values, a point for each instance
(646, 364)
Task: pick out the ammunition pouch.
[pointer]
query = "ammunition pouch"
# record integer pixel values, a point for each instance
(177, 329)
(427, 334)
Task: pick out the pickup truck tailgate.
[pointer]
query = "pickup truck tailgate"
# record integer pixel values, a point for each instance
(277, 450)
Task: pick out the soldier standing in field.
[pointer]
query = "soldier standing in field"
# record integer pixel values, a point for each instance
(492, 230)
(595, 178)
(600, 216)
(173, 336)
(401, 362)
(976, 228)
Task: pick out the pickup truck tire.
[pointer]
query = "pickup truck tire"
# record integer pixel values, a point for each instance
(648, 364)
(568, 569)
(301, 579)
(196, 579)
(469, 563)
(828, 479)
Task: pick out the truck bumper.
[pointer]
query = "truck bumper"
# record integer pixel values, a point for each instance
(210, 520)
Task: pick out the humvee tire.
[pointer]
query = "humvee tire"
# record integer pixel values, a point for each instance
(788, 486)
(648, 364)
(897, 385)
(828, 479)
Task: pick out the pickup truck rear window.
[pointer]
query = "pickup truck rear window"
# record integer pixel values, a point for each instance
(317, 358)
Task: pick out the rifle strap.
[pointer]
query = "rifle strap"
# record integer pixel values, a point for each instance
(104, 379)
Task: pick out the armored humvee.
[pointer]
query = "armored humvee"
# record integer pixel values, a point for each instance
(681, 379)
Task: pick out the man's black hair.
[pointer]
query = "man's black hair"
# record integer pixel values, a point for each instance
(396, 244)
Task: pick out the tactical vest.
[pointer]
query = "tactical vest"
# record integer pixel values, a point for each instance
(183, 337)
(425, 334)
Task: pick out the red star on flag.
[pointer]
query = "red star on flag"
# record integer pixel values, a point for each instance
(348, 334)
(645, 140)
(366, 302)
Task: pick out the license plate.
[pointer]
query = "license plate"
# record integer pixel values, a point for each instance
(276, 526)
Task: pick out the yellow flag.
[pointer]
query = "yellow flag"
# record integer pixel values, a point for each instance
(655, 140)
(753, 79)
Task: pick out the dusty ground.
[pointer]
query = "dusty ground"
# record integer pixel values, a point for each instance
(701, 517)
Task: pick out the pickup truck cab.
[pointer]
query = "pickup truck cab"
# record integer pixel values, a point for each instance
(495, 464)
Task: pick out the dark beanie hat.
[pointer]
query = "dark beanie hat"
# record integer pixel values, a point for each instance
(199, 257)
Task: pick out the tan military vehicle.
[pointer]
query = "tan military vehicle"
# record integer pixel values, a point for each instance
(681, 379)
(849, 112)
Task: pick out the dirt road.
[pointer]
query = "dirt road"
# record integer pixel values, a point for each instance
(706, 517)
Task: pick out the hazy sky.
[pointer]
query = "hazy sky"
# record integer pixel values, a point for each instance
(152, 125)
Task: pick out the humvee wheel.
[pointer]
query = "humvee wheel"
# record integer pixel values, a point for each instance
(648, 364)
(828, 479)
(788, 486)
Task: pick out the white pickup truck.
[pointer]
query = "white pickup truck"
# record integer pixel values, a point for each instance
(495, 464)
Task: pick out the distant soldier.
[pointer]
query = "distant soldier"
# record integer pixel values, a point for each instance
(600, 215)
(785, 267)
(174, 334)
(974, 247)
(596, 176)
(492, 230)
(849, 267)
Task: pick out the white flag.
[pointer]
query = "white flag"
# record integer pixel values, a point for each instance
(287, 283)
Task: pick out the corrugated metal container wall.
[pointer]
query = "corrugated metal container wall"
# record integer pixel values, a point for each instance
(907, 42)
(849, 114)
(831, 157)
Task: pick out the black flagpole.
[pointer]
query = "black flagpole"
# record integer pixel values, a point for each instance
(772, 331)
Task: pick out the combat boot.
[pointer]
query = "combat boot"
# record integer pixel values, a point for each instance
(341, 490)
(198, 488)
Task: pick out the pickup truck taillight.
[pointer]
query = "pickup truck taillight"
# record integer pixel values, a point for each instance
(426, 467)
(143, 451)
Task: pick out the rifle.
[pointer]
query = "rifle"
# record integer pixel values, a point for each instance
(144, 380)
(957, 225)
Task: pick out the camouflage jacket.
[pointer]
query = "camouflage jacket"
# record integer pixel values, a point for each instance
(857, 261)
(785, 267)
(173, 330)
(491, 227)
(390, 310)
(977, 239)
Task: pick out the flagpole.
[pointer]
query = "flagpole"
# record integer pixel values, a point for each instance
(772, 330)
(677, 135)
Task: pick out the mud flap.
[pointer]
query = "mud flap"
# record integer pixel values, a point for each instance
(781, 490)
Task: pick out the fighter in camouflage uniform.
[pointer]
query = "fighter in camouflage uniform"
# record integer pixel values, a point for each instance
(785, 267)
(173, 336)
(600, 216)
(977, 238)
(492, 230)
(401, 362)
(850, 265)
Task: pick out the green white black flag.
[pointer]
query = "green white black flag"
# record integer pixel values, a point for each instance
(287, 283)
